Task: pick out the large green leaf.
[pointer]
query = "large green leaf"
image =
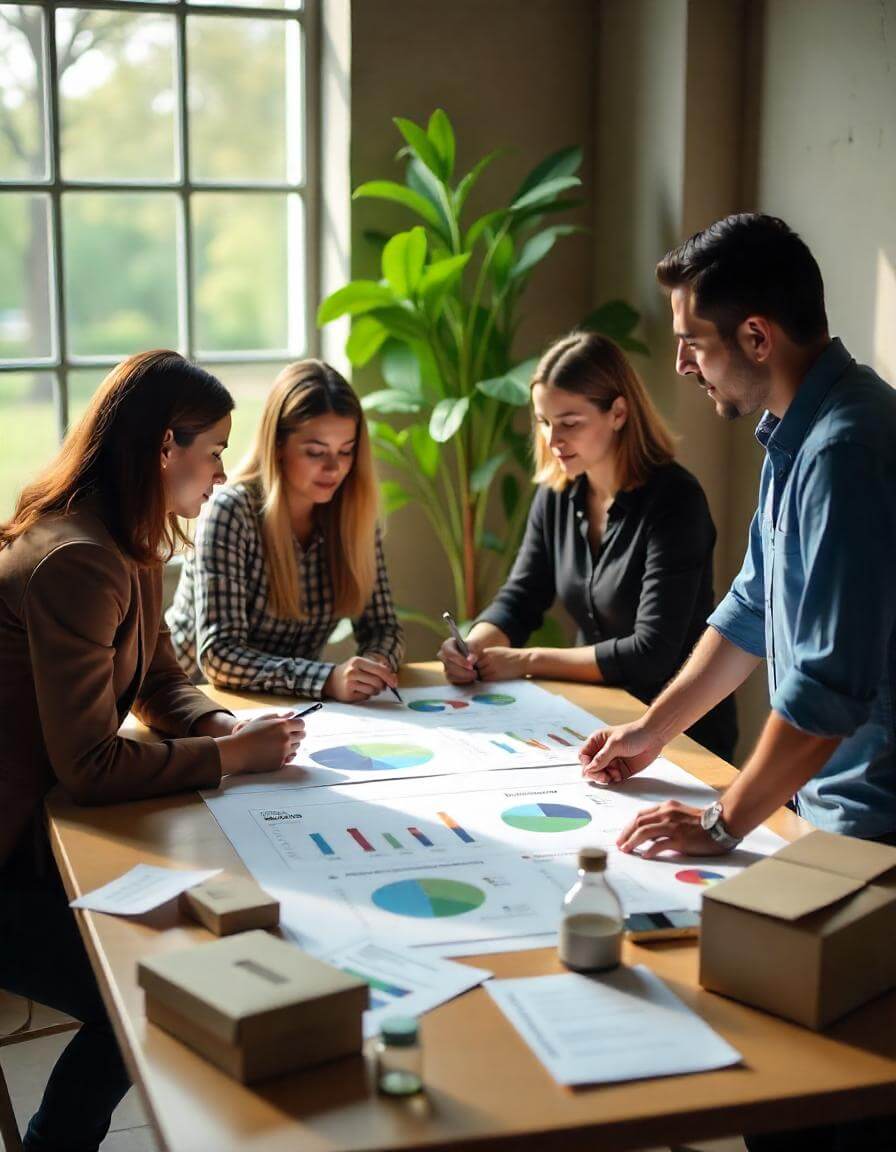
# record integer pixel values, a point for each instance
(510, 494)
(502, 259)
(403, 260)
(398, 194)
(399, 322)
(447, 417)
(430, 187)
(544, 193)
(481, 477)
(356, 297)
(425, 449)
(532, 217)
(512, 387)
(389, 400)
(393, 496)
(438, 278)
(566, 162)
(401, 368)
(365, 340)
(491, 221)
(616, 319)
(381, 431)
(538, 246)
(465, 187)
(492, 541)
(420, 144)
(441, 134)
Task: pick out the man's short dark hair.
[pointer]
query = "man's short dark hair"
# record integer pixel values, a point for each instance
(750, 265)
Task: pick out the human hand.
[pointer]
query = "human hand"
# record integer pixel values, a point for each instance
(459, 669)
(500, 663)
(359, 678)
(668, 827)
(611, 755)
(263, 744)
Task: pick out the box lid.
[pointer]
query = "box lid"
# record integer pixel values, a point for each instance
(223, 894)
(844, 855)
(226, 985)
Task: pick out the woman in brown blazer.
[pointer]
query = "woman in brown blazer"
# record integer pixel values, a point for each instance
(82, 643)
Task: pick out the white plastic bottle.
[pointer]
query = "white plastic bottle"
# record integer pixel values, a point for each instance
(592, 925)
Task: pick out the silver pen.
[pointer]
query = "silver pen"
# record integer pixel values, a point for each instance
(458, 639)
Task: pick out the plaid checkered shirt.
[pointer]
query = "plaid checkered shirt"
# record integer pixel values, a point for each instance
(220, 623)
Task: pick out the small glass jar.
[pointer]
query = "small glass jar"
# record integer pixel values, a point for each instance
(399, 1057)
(593, 922)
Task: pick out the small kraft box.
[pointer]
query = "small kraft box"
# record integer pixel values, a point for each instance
(227, 904)
(254, 1005)
(807, 933)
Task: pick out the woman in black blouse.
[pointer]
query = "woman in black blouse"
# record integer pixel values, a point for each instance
(617, 529)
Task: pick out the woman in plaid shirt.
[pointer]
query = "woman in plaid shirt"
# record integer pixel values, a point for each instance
(287, 549)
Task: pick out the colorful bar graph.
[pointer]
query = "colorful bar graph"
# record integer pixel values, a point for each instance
(559, 740)
(391, 840)
(572, 732)
(531, 743)
(504, 747)
(451, 823)
(418, 835)
(361, 839)
(322, 844)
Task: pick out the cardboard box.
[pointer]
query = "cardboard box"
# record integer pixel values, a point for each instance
(255, 1005)
(807, 933)
(227, 904)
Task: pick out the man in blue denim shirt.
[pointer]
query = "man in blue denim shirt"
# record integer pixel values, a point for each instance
(816, 597)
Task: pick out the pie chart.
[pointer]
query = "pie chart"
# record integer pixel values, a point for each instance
(428, 897)
(436, 705)
(498, 698)
(371, 757)
(698, 876)
(546, 817)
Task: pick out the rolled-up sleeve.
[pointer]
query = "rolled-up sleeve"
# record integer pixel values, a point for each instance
(519, 607)
(740, 617)
(846, 612)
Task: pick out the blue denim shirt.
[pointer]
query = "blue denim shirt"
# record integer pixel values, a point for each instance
(816, 595)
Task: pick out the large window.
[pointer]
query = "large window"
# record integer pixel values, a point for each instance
(156, 177)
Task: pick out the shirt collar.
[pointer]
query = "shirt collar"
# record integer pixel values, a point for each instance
(788, 432)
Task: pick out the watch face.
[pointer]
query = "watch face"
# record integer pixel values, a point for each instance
(710, 815)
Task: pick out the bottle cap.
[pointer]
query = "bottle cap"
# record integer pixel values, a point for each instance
(399, 1031)
(592, 859)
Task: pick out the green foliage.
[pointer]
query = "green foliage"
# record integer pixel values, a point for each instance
(440, 324)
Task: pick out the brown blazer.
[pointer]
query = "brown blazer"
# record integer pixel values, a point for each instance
(82, 643)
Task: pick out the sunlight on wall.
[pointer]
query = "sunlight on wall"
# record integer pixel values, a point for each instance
(885, 318)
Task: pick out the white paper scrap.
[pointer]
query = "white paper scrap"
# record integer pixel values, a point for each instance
(143, 888)
(621, 1025)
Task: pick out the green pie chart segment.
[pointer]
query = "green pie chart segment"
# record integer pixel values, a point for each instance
(546, 817)
(428, 898)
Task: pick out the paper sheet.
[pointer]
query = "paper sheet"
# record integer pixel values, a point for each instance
(622, 1025)
(143, 888)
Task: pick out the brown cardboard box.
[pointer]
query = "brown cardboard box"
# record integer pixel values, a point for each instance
(255, 1005)
(227, 904)
(807, 933)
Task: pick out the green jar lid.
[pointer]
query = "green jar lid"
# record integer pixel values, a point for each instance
(400, 1031)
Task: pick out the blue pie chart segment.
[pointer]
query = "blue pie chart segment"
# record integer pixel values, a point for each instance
(546, 817)
(372, 757)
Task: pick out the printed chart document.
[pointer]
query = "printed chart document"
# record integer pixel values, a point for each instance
(402, 981)
(436, 731)
(622, 1025)
(452, 863)
(143, 888)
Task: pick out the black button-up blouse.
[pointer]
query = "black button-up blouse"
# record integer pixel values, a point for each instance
(642, 598)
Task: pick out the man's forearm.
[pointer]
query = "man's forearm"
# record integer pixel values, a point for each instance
(714, 669)
(784, 759)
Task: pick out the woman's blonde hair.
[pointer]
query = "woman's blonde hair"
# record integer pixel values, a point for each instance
(594, 367)
(302, 391)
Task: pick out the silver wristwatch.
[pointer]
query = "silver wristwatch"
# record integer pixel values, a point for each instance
(711, 821)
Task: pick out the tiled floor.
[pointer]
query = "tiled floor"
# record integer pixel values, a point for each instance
(27, 1066)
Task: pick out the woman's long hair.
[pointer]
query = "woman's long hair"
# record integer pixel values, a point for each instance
(114, 452)
(594, 367)
(302, 391)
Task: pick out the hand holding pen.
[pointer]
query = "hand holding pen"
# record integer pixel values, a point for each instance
(457, 673)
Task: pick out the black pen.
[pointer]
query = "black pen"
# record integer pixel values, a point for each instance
(394, 692)
(459, 640)
(307, 711)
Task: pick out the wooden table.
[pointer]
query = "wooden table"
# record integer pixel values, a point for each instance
(485, 1089)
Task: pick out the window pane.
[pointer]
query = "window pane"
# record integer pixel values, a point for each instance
(249, 385)
(25, 316)
(117, 95)
(249, 268)
(120, 272)
(23, 149)
(243, 94)
(291, 4)
(82, 383)
(28, 419)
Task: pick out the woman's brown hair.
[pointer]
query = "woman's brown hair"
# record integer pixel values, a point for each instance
(592, 366)
(302, 391)
(114, 452)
